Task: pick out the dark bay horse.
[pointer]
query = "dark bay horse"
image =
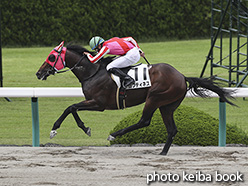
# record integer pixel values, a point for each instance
(167, 91)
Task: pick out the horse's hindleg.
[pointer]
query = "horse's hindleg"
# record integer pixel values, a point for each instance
(143, 122)
(167, 115)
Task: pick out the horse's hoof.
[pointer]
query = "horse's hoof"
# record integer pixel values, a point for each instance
(53, 133)
(163, 153)
(88, 131)
(111, 138)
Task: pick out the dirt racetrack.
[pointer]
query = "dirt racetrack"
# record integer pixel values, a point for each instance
(123, 166)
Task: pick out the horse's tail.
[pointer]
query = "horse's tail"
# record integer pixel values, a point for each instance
(200, 87)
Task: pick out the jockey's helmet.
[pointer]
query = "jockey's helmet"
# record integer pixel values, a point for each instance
(95, 41)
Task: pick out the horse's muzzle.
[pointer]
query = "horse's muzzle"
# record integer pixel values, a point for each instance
(45, 71)
(43, 75)
(40, 76)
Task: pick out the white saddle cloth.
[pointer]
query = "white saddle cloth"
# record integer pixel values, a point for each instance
(140, 75)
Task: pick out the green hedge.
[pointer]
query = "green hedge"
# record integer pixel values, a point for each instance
(194, 128)
(47, 22)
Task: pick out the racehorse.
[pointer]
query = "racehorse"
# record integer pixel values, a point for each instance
(167, 91)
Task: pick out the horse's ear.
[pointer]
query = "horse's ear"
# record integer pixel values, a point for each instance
(60, 46)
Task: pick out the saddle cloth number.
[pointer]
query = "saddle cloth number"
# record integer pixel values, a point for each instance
(140, 74)
(141, 77)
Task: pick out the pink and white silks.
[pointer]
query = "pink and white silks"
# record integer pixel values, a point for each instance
(127, 48)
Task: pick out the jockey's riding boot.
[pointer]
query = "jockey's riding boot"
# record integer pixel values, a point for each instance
(128, 80)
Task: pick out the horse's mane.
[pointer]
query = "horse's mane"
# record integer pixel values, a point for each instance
(80, 50)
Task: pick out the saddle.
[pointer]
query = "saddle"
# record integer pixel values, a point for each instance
(140, 73)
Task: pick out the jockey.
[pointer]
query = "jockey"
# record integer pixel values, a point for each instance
(126, 48)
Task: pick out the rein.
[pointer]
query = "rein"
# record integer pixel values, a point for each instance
(92, 74)
(59, 72)
(72, 68)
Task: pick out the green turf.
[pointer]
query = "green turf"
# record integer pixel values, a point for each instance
(21, 64)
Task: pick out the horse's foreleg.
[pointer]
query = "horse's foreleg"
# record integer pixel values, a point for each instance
(80, 123)
(84, 105)
(57, 123)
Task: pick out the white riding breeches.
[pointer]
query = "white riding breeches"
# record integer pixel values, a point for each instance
(130, 58)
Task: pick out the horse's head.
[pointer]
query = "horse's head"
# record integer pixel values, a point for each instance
(54, 62)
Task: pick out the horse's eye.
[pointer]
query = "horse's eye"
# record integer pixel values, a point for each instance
(51, 58)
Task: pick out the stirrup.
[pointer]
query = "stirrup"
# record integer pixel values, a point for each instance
(127, 85)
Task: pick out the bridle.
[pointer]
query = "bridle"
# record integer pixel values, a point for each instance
(54, 70)
(56, 60)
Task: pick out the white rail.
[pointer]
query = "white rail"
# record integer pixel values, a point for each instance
(41, 92)
(77, 92)
(36, 92)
